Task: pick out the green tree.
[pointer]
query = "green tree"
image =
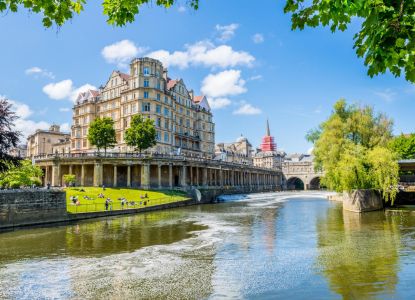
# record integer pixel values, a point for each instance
(386, 38)
(352, 148)
(141, 134)
(69, 179)
(404, 146)
(25, 174)
(101, 133)
(9, 137)
(118, 12)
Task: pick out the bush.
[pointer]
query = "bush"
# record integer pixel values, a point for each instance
(69, 179)
(14, 185)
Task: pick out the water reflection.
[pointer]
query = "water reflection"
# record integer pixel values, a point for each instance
(97, 238)
(265, 246)
(358, 253)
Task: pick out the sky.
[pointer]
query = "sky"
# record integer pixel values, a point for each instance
(242, 55)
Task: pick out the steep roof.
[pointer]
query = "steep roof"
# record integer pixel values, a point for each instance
(171, 83)
(124, 76)
(197, 99)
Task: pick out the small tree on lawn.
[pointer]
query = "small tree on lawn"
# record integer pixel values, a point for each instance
(8, 136)
(102, 134)
(142, 134)
(69, 179)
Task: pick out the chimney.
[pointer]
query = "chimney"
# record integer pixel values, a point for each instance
(165, 74)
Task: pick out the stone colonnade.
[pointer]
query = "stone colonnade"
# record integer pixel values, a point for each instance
(158, 174)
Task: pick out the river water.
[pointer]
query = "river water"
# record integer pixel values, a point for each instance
(259, 246)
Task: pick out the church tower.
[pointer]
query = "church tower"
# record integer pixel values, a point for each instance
(268, 144)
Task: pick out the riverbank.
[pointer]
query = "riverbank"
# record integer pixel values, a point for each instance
(283, 245)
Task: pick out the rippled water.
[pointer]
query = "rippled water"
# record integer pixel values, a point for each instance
(266, 246)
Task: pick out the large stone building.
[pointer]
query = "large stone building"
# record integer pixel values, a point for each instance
(239, 151)
(183, 121)
(267, 155)
(42, 141)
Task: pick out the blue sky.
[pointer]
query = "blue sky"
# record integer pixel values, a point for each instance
(243, 56)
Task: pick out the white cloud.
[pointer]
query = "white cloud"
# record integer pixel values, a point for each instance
(28, 127)
(121, 52)
(226, 32)
(23, 124)
(22, 110)
(64, 109)
(65, 127)
(59, 90)
(258, 38)
(204, 53)
(387, 95)
(247, 109)
(181, 9)
(218, 103)
(255, 77)
(225, 83)
(65, 90)
(36, 71)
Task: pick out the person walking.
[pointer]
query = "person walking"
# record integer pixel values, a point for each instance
(106, 204)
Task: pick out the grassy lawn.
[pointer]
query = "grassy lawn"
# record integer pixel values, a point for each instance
(136, 198)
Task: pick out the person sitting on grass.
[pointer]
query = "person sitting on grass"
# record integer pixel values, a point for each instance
(101, 195)
(74, 199)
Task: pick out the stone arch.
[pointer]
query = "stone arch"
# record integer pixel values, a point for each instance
(314, 183)
(295, 183)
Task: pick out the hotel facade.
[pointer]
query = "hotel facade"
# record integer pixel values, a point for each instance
(183, 121)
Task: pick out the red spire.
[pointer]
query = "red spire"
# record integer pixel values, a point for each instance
(268, 143)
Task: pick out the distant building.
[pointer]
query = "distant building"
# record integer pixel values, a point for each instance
(19, 151)
(267, 155)
(62, 147)
(239, 151)
(42, 141)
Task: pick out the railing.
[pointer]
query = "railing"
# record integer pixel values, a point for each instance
(129, 155)
(117, 205)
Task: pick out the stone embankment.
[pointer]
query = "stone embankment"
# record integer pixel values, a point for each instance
(359, 200)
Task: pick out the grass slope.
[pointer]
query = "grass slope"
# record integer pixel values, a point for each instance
(135, 198)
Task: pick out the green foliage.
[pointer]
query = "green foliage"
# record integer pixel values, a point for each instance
(352, 149)
(141, 134)
(69, 179)
(101, 133)
(9, 137)
(118, 12)
(404, 146)
(386, 38)
(23, 175)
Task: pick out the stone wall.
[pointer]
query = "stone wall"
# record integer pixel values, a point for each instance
(362, 201)
(31, 207)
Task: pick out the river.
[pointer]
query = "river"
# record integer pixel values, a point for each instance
(259, 246)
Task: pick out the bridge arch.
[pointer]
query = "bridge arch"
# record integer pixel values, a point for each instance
(295, 183)
(314, 183)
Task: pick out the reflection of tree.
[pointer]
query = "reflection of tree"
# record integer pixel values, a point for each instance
(358, 253)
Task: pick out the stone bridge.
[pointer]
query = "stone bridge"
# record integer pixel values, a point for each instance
(300, 175)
